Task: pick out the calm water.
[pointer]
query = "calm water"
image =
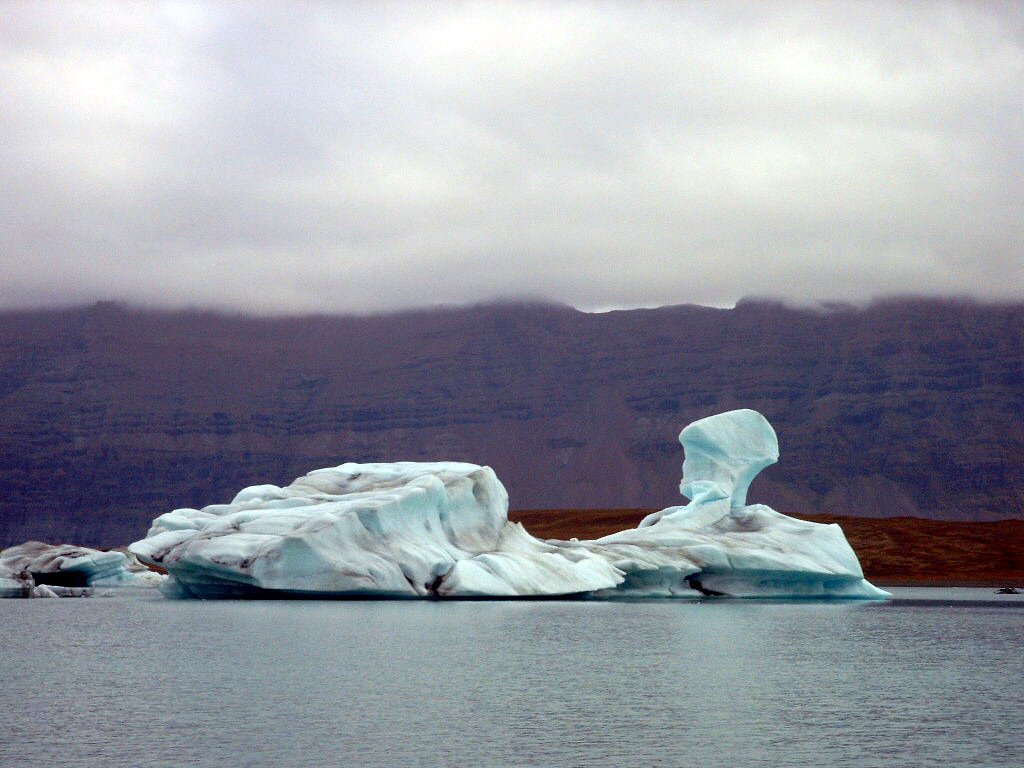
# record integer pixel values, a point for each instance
(142, 681)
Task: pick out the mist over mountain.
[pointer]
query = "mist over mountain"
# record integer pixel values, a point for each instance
(110, 416)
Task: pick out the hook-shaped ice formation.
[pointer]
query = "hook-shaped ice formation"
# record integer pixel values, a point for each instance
(726, 450)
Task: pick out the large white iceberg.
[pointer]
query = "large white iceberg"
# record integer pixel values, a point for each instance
(37, 569)
(413, 530)
(375, 530)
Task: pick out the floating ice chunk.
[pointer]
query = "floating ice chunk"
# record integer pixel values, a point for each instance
(374, 530)
(47, 590)
(717, 544)
(441, 529)
(63, 570)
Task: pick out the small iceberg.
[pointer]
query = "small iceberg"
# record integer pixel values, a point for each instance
(718, 544)
(441, 530)
(36, 569)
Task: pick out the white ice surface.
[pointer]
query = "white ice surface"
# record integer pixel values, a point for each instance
(92, 567)
(389, 530)
(441, 530)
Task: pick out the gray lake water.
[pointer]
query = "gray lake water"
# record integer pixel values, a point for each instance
(932, 678)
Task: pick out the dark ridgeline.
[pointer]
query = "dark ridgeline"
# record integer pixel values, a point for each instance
(110, 416)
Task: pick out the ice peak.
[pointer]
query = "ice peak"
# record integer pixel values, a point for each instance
(727, 450)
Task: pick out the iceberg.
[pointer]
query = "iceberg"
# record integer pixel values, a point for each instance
(718, 544)
(441, 530)
(402, 530)
(36, 569)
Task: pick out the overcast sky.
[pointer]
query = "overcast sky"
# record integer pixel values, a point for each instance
(354, 157)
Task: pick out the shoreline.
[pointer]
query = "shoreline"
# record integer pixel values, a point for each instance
(947, 584)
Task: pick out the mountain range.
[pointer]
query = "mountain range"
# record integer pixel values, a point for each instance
(111, 415)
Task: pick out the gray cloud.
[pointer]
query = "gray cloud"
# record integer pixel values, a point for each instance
(284, 157)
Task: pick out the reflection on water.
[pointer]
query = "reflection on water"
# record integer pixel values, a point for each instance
(931, 678)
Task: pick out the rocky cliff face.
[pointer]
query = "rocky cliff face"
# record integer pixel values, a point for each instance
(110, 416)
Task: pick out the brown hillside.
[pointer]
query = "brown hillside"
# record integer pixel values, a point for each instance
(111, 416)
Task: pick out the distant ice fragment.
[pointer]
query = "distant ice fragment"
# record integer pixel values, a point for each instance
(35, 569)
(441, 530)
